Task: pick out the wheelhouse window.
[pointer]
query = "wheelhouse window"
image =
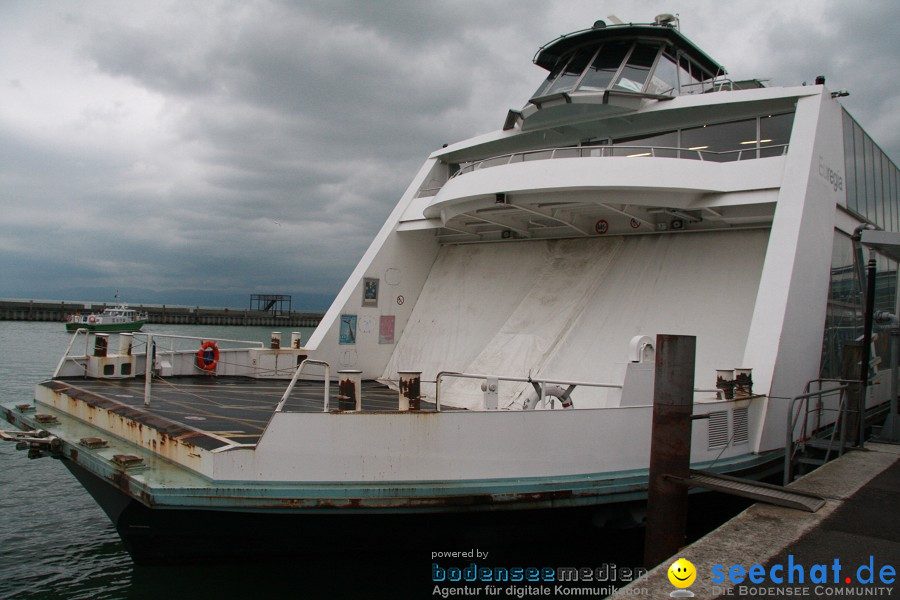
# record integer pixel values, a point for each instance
(604, 67)
(691, 76)
(551, 77)
(569, 76)
(638, 67)
(665, 77)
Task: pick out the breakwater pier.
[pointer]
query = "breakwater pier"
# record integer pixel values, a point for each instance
(848, 548)
(38, 310)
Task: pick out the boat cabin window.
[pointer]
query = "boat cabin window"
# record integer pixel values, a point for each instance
(757, 137)
(660, 145)
(575, 67)
(665, 76)
(637, 68)
(844, 318)
(723, 142)
(774, 134)
(569, 68)
(872, 181)
(760, 137)
(627, 65)
(691, 76)
(604, 67)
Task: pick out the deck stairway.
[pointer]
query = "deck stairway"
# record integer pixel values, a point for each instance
(818, 429)
(820, 425)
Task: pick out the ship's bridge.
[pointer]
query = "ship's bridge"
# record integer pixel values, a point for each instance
(615, 69)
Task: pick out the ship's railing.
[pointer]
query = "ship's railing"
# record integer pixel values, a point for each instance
(801, 405)
(161, 345)
(623, 151)
(717, 84)
(296, 377)
(493, 380)
(156, 348)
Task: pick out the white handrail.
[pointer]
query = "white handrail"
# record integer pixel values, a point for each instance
(439, 376)
(194, 337)
(296, 376)
(606, 151)
(65, 355)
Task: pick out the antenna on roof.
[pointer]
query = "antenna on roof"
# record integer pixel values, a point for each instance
(666, 20)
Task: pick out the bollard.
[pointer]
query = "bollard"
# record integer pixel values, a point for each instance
(101, 343)
(276, 340)
(725, 382)
(125, 343)
(491, 387)
(350, 389)
(743, 383)
(295, 340)
(670, 447)
(410, 398)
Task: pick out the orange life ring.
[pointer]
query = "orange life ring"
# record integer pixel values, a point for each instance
(69, 318)
(208, 356)
(92, 319)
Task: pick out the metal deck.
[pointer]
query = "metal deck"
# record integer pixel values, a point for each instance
(214, 411)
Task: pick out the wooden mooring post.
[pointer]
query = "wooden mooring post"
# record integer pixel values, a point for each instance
(670, 447)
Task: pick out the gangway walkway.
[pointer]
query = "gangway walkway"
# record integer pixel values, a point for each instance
(755, 490)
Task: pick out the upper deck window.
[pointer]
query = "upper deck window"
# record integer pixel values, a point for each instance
(722, 142)
(774, 134)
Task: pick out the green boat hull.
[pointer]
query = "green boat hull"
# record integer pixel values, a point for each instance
(104, 327)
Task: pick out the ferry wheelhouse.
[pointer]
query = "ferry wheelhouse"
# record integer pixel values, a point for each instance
(493, 351)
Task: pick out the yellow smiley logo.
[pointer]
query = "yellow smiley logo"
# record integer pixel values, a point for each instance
(682, 573)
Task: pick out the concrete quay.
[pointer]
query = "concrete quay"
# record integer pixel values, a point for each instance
(35, 310)
(854, 539)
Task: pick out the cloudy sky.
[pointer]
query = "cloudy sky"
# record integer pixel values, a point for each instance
(200, 152)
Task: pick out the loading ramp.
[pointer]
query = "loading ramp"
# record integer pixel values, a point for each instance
(755, 490)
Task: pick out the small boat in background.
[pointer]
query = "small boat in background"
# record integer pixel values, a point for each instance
(117, 318)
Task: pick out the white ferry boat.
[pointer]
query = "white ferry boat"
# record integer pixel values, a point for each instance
(492, 354)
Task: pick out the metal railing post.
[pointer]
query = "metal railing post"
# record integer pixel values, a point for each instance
(149, 356)
(296, 377)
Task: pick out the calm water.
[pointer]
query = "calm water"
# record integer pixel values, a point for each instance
(55, 542)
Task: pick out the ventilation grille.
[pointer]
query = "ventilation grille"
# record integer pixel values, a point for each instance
(718, 429)
(739, 422)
